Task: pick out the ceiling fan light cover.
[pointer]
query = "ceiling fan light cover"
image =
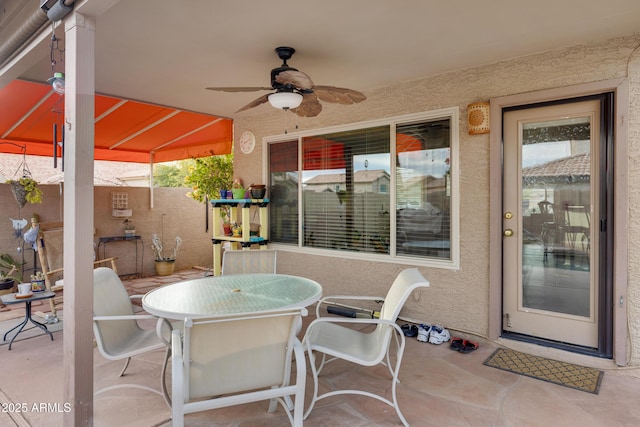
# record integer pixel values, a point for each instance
(285, 100)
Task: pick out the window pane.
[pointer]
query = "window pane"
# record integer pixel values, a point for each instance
(423, 189)
(346, 179)
(283, 179)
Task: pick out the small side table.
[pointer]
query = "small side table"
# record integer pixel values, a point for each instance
(139, 261)
(37, 296)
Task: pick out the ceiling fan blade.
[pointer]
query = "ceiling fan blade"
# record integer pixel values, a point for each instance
(310, 106)
(255, 102)
(239, 89)
(295, 78)
(338, 95)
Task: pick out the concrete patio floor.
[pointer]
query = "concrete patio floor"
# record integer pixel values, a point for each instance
(439, 387)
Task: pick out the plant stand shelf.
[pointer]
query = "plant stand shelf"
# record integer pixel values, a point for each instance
(137, 240)
(246, 240)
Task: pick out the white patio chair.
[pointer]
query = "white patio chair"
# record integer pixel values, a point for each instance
(230, 361)
(325, 335)
(250, 261)
(115, 327)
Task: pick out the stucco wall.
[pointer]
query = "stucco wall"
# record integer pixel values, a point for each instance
(460, 299)
(633, 276)
(180, 215)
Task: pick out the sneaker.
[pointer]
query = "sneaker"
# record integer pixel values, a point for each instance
(438, 335)
(423, 332)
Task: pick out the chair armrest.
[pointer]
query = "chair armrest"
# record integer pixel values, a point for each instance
(52, 272)
(104, 260)
(327, 299)
(159, 326)
(354, 320)
(350, 320)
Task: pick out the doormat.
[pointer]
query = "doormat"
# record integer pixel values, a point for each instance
(553, 371)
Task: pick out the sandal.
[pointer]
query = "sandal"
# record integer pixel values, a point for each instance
(456, 343)
(409, 330)
(468, 347)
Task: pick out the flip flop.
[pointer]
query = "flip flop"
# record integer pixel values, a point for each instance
(456, 343)
(468, 347)
(409, 330)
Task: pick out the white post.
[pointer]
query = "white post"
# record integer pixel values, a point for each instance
(78, 218)
(151, 182)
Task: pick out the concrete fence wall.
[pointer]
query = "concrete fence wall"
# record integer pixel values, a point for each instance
(174, 214)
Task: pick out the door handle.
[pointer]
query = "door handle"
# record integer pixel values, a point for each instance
(508, 232)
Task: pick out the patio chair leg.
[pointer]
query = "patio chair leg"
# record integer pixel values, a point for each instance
(126, 365)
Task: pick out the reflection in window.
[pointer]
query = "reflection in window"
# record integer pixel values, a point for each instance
(348, 199)
(343, 174)
(423, 189)
(283, 180)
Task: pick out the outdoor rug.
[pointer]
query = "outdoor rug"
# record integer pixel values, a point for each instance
(553, 371)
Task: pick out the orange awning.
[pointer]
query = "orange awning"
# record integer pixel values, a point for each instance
(125, 130)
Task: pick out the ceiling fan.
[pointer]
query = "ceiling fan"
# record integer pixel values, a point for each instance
(295, 91)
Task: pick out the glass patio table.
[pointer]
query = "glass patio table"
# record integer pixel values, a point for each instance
(231, 296)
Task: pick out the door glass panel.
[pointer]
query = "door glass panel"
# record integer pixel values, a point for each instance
(556, 216)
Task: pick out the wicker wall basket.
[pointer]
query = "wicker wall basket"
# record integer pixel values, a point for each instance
(19, 193)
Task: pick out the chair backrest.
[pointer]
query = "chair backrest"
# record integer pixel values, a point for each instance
(249, 261)
(402, 286)
(110, 298)
(578, 216)
(238, 355)
(50, 250)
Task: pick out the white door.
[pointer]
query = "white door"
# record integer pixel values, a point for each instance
(550, 248)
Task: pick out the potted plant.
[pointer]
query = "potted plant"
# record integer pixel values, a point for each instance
(225, 213)
(10, 273)
(164, 264)
(37, 282)
(129, 228)
(25, 190)
(237, 189)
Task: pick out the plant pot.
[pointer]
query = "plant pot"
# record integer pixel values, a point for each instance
(226, 229)
(258, 193)
(19, 193)
(129, 233)
(37, 285)
(165, 267)
(238, 193)
(6, 286)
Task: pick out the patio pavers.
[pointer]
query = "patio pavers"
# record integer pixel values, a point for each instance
(438, 387)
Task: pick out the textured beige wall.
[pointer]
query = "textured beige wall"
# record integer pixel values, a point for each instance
(633, 277)
(459, 299)
(183, 217)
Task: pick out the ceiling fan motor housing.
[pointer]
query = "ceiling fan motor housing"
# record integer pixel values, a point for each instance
(284, 53)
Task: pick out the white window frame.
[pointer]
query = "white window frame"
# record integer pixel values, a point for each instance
(451, 113)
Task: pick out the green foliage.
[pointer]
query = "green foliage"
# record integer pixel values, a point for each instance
(208, 175)
(10, 268)
(172, 175)
(30, 185)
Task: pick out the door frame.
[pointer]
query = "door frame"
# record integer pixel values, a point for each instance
(620, 187)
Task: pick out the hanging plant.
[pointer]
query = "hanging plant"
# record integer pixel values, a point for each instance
(25, 190)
